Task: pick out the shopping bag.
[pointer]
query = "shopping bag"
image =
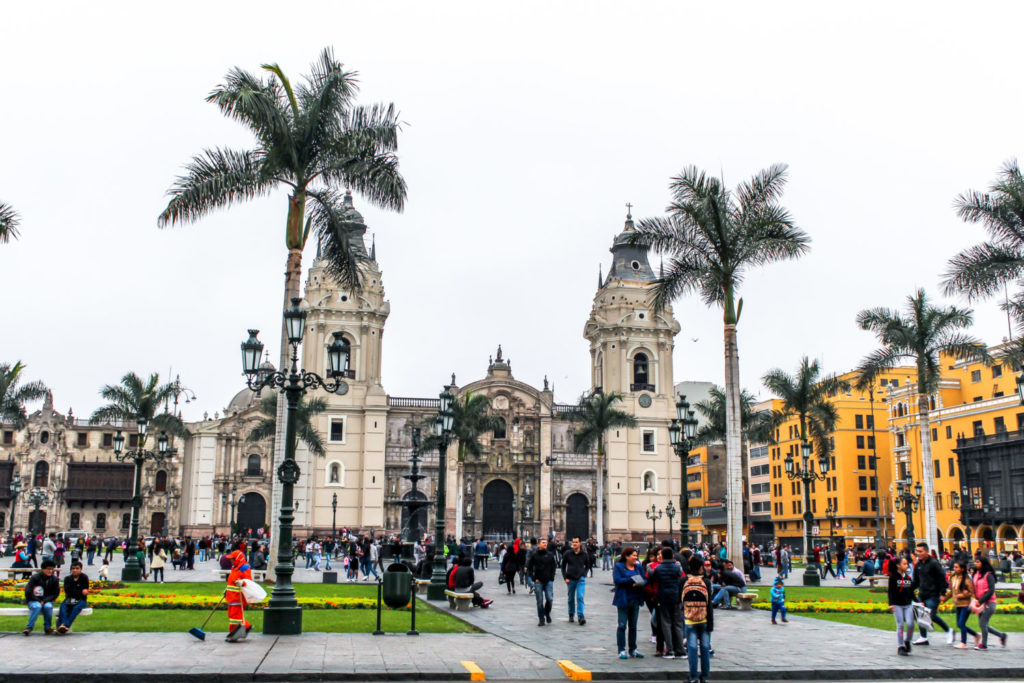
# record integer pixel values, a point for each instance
(253, 592)
(923, 616)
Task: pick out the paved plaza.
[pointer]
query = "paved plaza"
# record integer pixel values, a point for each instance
(510, 647)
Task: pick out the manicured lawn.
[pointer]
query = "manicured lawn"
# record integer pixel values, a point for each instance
(1004, 622)
(863, 594)
(428, 618)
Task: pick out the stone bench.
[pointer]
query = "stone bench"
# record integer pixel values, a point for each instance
(744, 600)
(23, 611)
(878, 580)
(421, 586)
(258, 575)
(460, 602)
(26, 572)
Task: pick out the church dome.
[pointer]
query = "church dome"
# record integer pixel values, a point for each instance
(242, 400)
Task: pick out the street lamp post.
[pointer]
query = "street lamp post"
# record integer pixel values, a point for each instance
(334, 517)
(443, 431)
(550, 462)
(37, 498)
(169, 492)
(830, 515)
(992, 508)
(966, 503)
(670, 512)
(806, 474)
(681, 434)
(522, 515)
(654, 514)
(283, 616)
(15, 490)
(908, 502)
(132, 572)
(879, 530)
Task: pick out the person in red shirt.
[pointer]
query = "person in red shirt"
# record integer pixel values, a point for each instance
(238, 626)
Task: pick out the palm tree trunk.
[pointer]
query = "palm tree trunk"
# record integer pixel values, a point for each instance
(733, 447)
(600, 491)
(931, 526)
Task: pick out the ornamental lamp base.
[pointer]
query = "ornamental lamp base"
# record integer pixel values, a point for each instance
(435, 591)
(131, 574)
(282, 621)
(811, 575)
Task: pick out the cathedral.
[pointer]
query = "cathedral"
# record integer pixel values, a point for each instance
(527, 479)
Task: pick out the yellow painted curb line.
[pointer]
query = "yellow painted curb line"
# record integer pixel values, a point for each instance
(574, 671)
(475, 672)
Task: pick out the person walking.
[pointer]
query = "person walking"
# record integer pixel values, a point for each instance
(157, 564)
(509, 568)
(783, 568)
(574, 571)
(901, 598)
(841, 555)
(985, 600)
(238, 625)
(668, 580)
(698, 619)
(778, 595)
(541, 569)
(606, 557)
(930, 584)
(629, 580)
(960, 591)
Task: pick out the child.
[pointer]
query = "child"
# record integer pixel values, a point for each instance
(105, 570)
(901, 597)
(779, 600)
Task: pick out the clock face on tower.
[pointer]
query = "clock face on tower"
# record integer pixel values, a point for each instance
(645, 400)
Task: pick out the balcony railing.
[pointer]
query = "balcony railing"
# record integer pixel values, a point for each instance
(400, 402)
(641, 387)
(254, 472)
(996, 437)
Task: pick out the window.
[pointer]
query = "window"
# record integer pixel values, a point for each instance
(338, 429)
(871, 422)
(759, 488)
(126, 520)
(871, 442)
(828, 484)
(938, 469)
(133, 441)
(938, 501)
(8, 437)
(900, 440)
(650, 482)
(977, 398)
(108, 440)
(760, 506)
(83, 440)
(758, 470)
(975, 376)
(863, 504)
(1000, 424)
(949, 432)
(814, 505)
(858, 422)
(76, 520)
(640, 370)
(42, 474)
(935, 434)
(874, 505)
(252, 465)
(501, 429)
(860, 441)
(862, 483)
(1020, 421)
(952, 468)
(894, 382)
(101, 521)
(976, 426)
(648, 441)
(335, 473)
(861, 462)
(161, 481)
(997, 370)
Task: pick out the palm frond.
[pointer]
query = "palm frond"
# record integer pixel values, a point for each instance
(9, 222)
(215, 179)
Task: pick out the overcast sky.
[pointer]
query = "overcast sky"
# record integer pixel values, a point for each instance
(528, 128)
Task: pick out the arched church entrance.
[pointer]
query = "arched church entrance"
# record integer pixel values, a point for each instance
(577, 517)
(499, 506)
(252, 513)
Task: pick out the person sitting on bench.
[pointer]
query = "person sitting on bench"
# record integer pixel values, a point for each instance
(462, 580)
(425, 567)
(40, 592)
(76, 596)
(866, 571)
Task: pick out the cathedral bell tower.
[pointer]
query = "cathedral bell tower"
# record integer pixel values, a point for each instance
(631, 354)
(353, 426)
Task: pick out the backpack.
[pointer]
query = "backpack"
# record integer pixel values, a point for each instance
(225, 562)
(695, 610)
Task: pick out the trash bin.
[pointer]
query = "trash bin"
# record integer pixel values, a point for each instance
(397, 585)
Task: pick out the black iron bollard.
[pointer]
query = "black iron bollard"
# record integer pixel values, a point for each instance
(412, 630)
(378, 632)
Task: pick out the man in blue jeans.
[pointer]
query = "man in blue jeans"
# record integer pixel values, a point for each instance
(575, 564)
(76, 596)
(40, 592)
(541, 568)
(698, 619)
(732, 584)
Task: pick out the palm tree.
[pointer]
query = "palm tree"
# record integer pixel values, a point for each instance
(983, 269)
(713, 237)
(596, 414)
(133, 399)
(9, 220)
(313, 140)
(305, 430)
(13, 397)
(756, 426)
(923, 334)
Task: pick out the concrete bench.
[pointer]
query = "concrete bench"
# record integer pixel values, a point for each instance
(12, 572)
(421, 586)
(460, 602)
(878, 580)
(257, 574)
(23, 611)
(744, 600)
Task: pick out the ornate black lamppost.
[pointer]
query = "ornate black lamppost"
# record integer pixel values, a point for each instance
(806, 474)
(550, 462)
(830, 515)
(233, 500)
(908, 502)
(670, 512)
(37, 498)
(132, 572)
(965, 502)
(681, 434)
(15, 490)
(334, 517)
(443, 432)
(654, 514)
(992, 508)
(283, 616)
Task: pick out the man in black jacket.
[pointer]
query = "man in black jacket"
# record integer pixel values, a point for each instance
(541, 568)
(42, 589)
(667, 577)
(930, 584)
(465, 581)
(76, 596)
(574, 570)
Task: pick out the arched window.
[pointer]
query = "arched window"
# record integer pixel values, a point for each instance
(335, 473)
(252, 468)
(500, 430)
(42, 474)
(76, 520)
(161, 480)
(650, 481)
(101, 521)
(931, 403)
(641, 374)
(126, 520)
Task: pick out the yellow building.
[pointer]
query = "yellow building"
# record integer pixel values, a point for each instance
(975, 417)
(705, 488)
(858, 480)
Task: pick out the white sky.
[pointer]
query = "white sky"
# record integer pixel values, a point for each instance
(530, 125)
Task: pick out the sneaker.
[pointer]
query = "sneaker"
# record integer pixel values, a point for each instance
(50, 631)
(979, 646)
(668, 657)
(583, 620)
(637, 655)
(26, 632)
(901, 651)
(774, 623)
(62, 629)
(960, 646)
(548, 617)
(541, 622)
(785, 620)
(572, 618)
(921, 641)
(951, 636)
(622, 655)
(487, 603)
(1002, 640)
(977, 639)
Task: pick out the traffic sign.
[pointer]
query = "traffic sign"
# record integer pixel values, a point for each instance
(815, 530)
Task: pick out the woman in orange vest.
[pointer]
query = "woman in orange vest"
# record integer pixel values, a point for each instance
(238, 627)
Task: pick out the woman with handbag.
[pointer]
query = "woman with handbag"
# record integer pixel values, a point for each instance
(629, 579)
(984, 603)
(960, 591)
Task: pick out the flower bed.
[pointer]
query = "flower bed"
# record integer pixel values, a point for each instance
(851, 607)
